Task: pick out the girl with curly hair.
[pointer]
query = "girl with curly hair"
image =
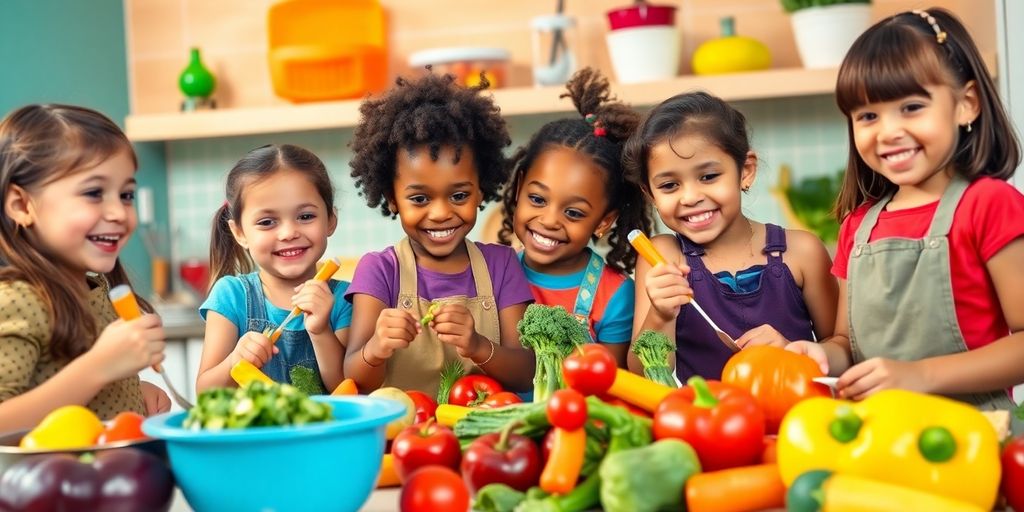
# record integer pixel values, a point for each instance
(430, 153)
(568, 190)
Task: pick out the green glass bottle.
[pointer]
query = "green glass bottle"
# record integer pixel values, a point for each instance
(196, 81)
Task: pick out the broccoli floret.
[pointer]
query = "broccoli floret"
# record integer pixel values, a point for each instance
(552, 333)
(653, 349)
(306, 380)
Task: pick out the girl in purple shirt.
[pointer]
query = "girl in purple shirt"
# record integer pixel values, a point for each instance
(431, 153)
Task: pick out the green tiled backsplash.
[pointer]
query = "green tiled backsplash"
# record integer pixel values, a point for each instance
(808, 134)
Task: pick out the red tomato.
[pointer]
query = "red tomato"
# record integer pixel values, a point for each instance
(425, 444)
(434, 489)
(472, 390)
(501, 400)
(425, 406)
(567, 409)
(126, 426)
(590, 370)
(1013, 472)
(722, 423)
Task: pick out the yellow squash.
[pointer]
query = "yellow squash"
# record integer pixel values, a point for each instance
(925, 442)
(730, 53)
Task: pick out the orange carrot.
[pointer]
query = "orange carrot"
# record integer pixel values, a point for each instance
(565, 461)
(347, 387)
(643, 393)
(736, 490)
(388, 476)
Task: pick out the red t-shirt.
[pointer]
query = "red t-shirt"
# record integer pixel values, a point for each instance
(990, 216)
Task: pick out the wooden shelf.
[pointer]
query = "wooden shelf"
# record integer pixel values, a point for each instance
(775, 83)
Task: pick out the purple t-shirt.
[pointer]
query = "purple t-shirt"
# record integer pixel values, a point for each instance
(377, 275)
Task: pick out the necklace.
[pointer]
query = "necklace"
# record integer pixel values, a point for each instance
(746, 258)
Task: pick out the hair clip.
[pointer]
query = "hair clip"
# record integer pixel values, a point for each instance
(940, 35)
(592, 120)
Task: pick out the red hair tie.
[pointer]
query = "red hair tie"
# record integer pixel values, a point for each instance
(592, 120)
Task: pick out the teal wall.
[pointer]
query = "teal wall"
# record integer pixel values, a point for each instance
(73, 51)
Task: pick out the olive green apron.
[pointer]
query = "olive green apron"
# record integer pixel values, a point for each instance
(900, 296)
(418, 366)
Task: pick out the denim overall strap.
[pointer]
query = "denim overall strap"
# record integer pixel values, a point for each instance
(294, 347)
(900, 295)
(587, 291)
(419, 365)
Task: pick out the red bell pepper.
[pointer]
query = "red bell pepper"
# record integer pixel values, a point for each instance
(723, 423)
(503, 458)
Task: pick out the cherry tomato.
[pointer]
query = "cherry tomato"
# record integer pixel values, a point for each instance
(425, 444)
(567, 409)
(434, 489)
(501, 400)
(126, 426)
(425, 406)
(590, 370)
(472, 390)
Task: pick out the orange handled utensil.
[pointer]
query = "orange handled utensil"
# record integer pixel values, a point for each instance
(127, 308)
(326, 271)
(646, 249)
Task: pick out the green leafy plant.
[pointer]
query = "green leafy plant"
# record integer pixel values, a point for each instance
(812, 200)
(796, 5)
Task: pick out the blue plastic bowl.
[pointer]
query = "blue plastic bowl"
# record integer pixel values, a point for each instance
(324, 466)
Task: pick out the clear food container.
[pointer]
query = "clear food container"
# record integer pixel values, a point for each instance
(465, 63)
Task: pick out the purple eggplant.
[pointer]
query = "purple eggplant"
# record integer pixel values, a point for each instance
(122, 480)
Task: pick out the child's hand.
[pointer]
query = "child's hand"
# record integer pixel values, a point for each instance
(125, 347)
(254, 347)
(155, 398)
(316, 300)
(454, 325)
(812, 350)
(668, 289)
(763, 334)
(395, 330)
(871, 376)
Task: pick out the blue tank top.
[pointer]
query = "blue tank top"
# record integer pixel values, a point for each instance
(777, 301)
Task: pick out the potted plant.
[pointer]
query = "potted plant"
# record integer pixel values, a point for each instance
(825, 29)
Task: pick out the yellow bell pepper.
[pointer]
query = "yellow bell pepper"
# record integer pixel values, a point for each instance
(244, 372)
(71, 426)
(925, 442)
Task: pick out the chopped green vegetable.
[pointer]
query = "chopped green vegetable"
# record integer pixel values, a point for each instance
(497, 498)
(552, 334)
(450, 372)
(255, 405)
(653, 349)
(306, 380)
(431, 311)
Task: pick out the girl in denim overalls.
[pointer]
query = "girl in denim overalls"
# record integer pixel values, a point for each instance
(762, 284)
(267, 239)
(567, 193)
(932, 244)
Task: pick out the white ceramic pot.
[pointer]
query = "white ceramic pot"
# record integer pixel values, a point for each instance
(643, 54)
(824, 34)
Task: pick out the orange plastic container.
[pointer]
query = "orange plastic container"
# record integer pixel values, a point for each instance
(327, 49)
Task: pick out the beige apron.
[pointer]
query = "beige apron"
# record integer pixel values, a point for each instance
(418, 366)
(900, 295)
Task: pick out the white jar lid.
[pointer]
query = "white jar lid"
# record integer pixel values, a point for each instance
(455, 54)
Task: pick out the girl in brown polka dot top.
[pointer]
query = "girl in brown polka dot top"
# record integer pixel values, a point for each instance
(67, 180)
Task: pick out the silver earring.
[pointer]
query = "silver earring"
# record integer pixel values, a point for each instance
(969, 127)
